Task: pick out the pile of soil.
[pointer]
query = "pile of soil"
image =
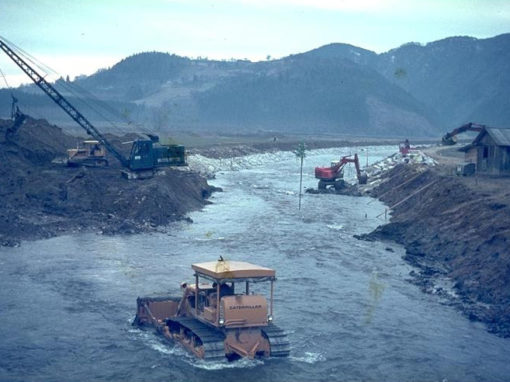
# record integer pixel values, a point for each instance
(42, 197)
(455, 228)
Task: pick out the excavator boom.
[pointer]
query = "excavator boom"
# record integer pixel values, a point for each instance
(449, 138)
(331, 174)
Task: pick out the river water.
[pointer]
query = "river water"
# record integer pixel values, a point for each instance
(352, 315)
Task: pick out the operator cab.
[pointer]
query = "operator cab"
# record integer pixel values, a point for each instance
(148, 154)
(226, 299)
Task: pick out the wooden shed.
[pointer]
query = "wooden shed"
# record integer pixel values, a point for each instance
(490, 150)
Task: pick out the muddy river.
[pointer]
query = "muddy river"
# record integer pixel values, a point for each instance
(352, 315)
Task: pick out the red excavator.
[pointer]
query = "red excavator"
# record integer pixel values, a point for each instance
(404, 147)
(333, 176)
(450, 138)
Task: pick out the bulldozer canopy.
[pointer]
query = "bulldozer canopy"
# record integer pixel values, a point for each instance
(229, 270)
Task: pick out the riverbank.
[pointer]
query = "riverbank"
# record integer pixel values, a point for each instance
(42, 197)
(258, 146)
(456, 230)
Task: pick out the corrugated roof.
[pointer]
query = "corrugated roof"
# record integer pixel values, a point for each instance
(500, 135)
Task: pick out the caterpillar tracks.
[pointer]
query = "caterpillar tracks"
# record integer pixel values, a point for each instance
(204, 341)
(222, 317)
(208, 343)
(280, 345)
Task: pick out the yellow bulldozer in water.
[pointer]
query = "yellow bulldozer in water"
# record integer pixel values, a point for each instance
(219, 315)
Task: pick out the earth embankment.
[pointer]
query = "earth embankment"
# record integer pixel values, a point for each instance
(41, 197)
(454, 228)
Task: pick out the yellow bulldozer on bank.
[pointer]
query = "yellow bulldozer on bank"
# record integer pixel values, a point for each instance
(91, 154)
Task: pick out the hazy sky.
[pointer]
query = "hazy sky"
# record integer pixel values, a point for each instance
(80, 36)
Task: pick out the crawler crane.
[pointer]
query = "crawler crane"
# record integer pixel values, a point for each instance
(147, 155)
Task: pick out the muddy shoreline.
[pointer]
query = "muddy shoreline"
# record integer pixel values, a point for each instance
(43, 198)
(456, 231)
(237, 150)
(457, 234)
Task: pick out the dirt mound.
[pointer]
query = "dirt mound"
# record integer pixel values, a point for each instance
(42, 197)
(456, 228)
(35, 141)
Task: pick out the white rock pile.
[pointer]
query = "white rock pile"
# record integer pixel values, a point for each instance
(377, 170)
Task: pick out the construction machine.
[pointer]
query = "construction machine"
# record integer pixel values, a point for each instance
(18, 118)
(451, 139)
(220, 315)
(147, 155)
(404, 147)
(91, 154)
(333, 175)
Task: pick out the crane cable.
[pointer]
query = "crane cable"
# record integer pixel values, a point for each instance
(82, 92)
(93, 101)
(98, 106)
(78, 92)
(43, 68)
(14, 99)
(5, 79)
(28, 57)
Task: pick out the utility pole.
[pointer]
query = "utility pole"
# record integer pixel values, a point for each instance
(301, 154)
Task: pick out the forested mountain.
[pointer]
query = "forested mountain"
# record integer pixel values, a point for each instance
(308, 94)
(413, 90)
(460, 78)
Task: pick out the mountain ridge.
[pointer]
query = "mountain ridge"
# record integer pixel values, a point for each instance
(413, 90)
